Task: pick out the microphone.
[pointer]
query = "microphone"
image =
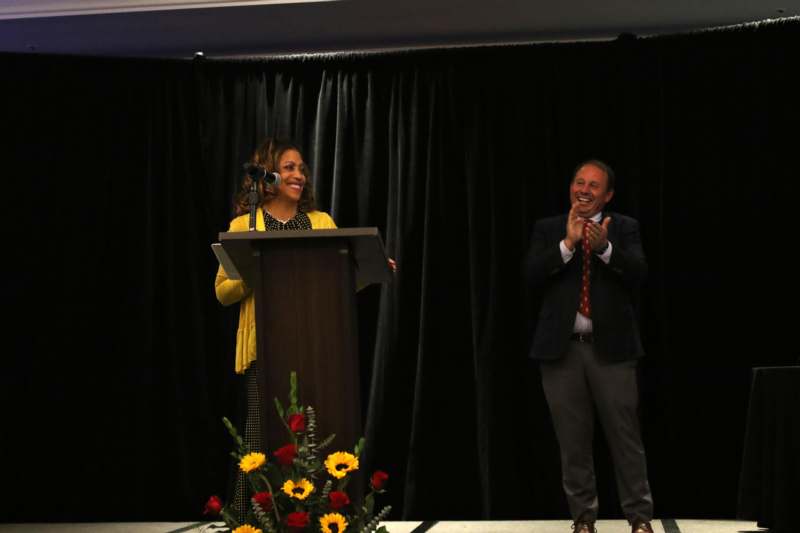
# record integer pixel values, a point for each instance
(258, 172)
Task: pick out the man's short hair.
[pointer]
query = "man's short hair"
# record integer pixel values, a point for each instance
(602, 166)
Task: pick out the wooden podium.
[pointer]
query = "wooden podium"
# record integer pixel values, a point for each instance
(304, 284)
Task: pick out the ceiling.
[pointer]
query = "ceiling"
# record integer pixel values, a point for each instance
(180, 28)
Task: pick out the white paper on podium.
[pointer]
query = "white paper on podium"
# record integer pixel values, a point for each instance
(225, 260)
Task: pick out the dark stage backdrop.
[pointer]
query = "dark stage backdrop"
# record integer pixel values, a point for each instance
(118, 174)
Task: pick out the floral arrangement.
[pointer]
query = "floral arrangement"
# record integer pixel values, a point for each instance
(296, 490)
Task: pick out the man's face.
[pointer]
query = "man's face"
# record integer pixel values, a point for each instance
(589, 191)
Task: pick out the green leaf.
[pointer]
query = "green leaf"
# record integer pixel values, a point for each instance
(293, 389)
(234, 434)
(327, 442)
(359, 447)
(369, 503)
(279, 407)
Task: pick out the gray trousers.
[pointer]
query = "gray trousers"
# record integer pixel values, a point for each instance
(574, 386)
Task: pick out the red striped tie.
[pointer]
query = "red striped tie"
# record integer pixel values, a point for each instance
(585, 306)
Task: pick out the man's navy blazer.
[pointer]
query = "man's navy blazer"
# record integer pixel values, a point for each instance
(614, 290)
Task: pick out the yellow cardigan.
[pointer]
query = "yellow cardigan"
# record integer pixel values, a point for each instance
(230, 291)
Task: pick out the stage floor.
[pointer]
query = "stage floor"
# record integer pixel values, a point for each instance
(542, 526)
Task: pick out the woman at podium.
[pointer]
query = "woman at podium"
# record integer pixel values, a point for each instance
(286, 202)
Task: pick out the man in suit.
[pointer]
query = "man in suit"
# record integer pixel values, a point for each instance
(588, 266)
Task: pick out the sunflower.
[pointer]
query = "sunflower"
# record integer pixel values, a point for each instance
(299, 490)
(246, 529)
(340, 463)
(333, 523)
(252, 461)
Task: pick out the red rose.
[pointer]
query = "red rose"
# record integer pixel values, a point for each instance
(297, 520)
(213, 506)
(286, 454)
(297, 423)
(264, 500)
(338, 499)
(379, 479)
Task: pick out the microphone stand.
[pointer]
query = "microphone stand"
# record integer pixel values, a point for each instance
(252, 200)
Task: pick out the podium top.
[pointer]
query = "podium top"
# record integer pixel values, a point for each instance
(366, 247)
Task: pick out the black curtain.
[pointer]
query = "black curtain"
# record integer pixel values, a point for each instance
(118, 174)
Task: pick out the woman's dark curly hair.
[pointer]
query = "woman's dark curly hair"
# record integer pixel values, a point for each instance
(267, 155)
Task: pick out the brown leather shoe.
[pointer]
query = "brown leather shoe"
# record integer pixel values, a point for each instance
(641, 527)
(584, 526)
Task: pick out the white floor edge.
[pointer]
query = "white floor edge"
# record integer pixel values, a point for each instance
(504, 526)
